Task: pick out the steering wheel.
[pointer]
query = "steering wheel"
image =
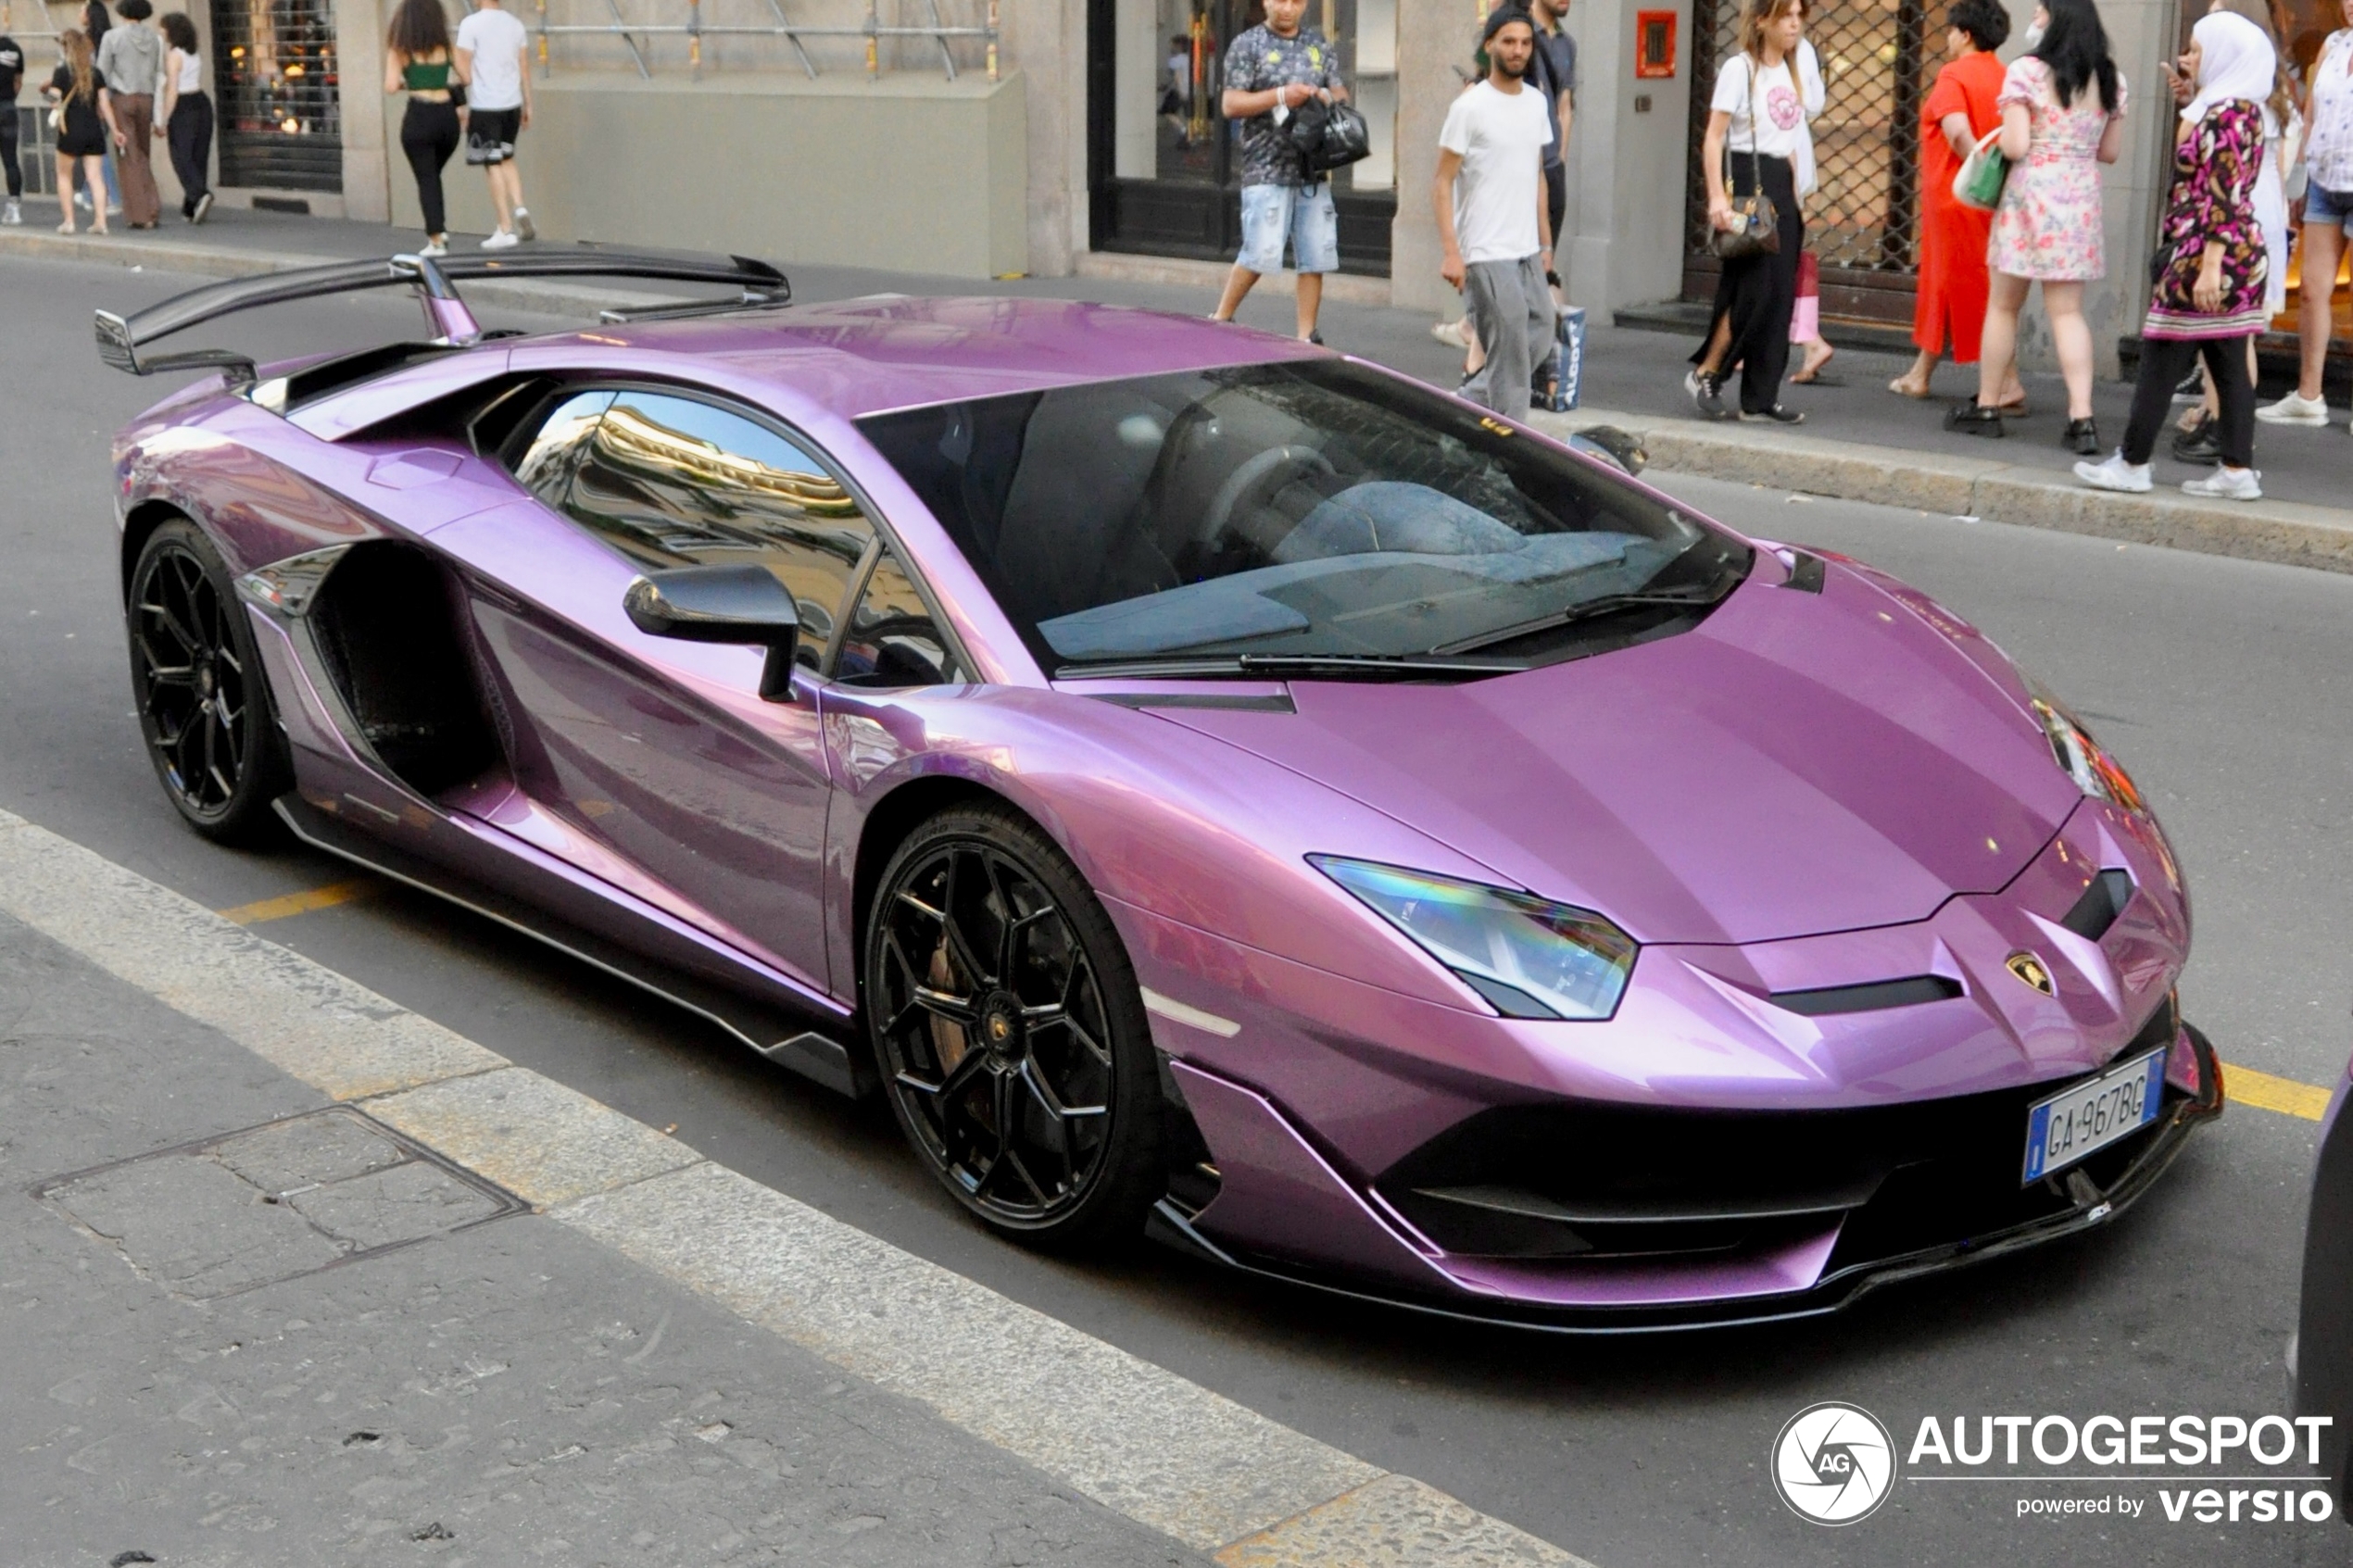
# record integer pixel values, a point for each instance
(1257, 480)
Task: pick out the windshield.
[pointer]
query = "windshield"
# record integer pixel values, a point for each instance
(1314, 511)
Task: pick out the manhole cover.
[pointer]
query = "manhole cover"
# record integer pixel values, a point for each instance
(270, 1203)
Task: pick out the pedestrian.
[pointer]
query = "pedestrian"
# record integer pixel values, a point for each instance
(1176, 98)
(84, 127)
(2200, 437)
(1755, 120)
(2208, 298)
(11, 78)
(1805, 314)
(491, 43)
(1272, 69)
(2062, 116)
(1554, 74)
(186, 127)
(132, 61)
(95, 24)
(1493, 223)
(420, 61)
(2328, 219)
(1962, 108)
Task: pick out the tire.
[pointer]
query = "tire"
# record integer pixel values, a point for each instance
(1015, 1053)
(202, 697)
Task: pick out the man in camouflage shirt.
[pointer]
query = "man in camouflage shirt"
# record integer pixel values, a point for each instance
(1270, 71)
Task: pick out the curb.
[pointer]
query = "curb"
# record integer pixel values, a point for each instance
(2283, 533)
(1156, 1448)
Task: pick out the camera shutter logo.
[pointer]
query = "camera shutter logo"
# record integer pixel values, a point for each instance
(1833, 1463)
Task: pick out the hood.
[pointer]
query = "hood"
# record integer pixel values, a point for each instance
(1798, 763)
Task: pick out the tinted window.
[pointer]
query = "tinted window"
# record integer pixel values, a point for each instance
(891, 639)
(545, 464)
(1307, 510)
(670, 482)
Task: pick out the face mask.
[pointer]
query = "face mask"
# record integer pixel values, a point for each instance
(2032, 38)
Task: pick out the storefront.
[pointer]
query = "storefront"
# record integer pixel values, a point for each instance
(275, 70)
(1163, 164)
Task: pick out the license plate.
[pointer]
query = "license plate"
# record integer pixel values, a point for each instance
(2086, 1117)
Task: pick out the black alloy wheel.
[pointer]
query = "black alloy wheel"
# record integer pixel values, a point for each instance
(1011, 1033)
(203, 700)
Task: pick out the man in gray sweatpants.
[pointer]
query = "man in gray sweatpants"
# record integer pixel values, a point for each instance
(1492, 218)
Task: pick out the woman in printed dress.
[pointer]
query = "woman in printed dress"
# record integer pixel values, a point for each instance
(2207, 300)
(2062, 116)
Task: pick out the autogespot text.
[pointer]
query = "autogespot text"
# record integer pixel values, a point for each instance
(2150, 1451)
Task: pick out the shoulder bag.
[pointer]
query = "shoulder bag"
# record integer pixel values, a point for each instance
(1328, 136)
(1757, 229)
(1979, 181)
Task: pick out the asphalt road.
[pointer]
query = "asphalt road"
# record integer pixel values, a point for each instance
(2222, 683)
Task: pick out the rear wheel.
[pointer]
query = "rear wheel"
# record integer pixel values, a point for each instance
(203, 701)
(1011, 1033)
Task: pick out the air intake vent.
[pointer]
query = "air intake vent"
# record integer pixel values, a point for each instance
(1871, 997)
(2101, 903)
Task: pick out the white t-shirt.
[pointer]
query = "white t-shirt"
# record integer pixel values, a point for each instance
(496, 40)
(1501, 138)
(1780, 128)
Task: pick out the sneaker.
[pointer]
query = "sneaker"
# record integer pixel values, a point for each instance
(2226, 484)
(502, 240)
(2115, 474)
(2295, 409)
(1707, 395)
(81, 199)
(204, 208)
(2191, 388)
(433, 247)
(523, 228)
(1778, 414)
(12, 215)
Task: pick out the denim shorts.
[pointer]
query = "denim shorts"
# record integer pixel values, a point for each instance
(1273, 213)
(2328, 206)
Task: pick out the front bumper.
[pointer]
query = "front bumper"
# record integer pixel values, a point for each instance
(1383, 1258)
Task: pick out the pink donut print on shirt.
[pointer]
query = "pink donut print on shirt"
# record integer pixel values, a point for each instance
(1781, 105)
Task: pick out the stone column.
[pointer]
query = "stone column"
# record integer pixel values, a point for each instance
(359, 61)
(1435, 42)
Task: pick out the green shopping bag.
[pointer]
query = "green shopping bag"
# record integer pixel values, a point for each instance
(1983, 174)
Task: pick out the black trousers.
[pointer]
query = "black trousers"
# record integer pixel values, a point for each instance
(429, 136)
(189, 136)
(1556, 204)
(2164, 361)
(1759, 293)
(9, 150)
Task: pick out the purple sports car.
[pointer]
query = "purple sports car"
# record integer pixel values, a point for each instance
(1209, 784)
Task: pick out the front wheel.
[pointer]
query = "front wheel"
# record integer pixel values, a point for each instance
(1011, 1033)
(203, 700)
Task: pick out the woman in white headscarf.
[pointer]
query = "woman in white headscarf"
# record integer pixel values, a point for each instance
(2212, 262)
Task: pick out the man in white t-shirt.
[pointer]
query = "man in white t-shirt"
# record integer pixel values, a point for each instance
(1492, 216)
(491, 46)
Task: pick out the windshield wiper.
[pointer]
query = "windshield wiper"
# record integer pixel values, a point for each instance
(1280, 664)
(1607, 604)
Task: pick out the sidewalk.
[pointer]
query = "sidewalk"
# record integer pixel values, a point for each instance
(1859, 443)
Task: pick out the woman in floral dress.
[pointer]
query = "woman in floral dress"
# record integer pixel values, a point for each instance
(2211, 263)
(2062, 116)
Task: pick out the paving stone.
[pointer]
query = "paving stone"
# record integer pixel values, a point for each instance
(383, 1208)
(307, 1150)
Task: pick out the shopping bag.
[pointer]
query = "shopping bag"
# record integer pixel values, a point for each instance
(1560, 380)
(1983, 174)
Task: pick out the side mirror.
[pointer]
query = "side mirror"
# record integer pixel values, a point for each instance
(722, 603)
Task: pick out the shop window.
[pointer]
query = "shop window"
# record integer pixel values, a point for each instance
(280, 121)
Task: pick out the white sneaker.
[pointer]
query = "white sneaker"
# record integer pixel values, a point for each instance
(2227, 484)
(2115, 474)
(502, 240)
(82, 198)
(2295, 409)
(433, 247)
(12, 215)
(523, 228)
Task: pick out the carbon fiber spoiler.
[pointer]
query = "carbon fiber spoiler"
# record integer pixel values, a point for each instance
(121, 338)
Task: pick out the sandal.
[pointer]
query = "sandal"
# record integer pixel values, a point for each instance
(1903, 388)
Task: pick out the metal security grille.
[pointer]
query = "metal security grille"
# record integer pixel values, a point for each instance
(1862, 222)
(280, 122)
(36, 150)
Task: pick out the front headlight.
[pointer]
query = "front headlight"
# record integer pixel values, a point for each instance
(1529, 956)
(2079, 757)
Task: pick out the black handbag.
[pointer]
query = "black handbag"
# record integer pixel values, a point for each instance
(1758, 223)
(1328, 136)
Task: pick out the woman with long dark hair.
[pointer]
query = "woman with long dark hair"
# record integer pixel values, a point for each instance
(86, 126)
(1753, 123)
(2062, 116)
(420, 61)
(2208, 299)
(186, 126)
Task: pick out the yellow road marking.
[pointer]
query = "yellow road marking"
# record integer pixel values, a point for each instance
(301, 903)
(2244, 1086)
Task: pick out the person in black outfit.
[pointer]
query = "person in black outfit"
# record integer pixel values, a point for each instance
(11, 78)
(78, 87)
(97, 21)
(187, 116)
(1754, 122)
(420, 61)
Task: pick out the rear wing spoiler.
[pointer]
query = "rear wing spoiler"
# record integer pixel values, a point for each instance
(121, 338)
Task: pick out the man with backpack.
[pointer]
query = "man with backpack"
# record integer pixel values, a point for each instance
(1271, 71)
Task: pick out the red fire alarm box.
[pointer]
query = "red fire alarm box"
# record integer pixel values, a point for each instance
(1654, 43)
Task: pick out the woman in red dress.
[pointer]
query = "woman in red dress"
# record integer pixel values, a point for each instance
(1960, 109)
